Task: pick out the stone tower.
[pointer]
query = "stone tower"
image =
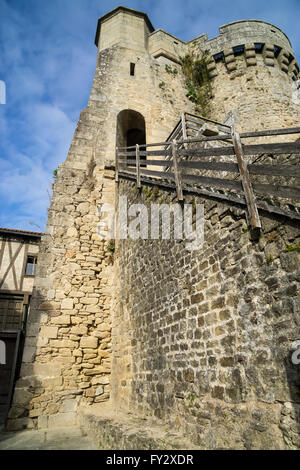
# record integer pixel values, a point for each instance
(137, 96)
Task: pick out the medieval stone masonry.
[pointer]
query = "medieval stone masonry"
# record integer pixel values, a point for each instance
(198, 342)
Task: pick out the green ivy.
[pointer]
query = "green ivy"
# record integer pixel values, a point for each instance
(199, 90)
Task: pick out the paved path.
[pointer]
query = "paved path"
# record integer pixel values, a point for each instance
(54, 439)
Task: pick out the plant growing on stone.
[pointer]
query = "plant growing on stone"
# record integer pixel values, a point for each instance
(269, 259)
(291, 248)
(111, 246)
(170, 70)
(199, 90)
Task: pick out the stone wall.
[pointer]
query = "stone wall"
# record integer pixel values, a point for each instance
(66, 357)
(202, 340)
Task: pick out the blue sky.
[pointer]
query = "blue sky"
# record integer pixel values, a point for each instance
(47, 61)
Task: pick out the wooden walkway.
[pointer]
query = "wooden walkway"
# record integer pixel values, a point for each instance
(219, 164)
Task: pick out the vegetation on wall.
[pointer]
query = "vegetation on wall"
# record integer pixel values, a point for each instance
(199, 90)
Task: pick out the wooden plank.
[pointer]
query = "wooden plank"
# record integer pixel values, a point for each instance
(156, 153)
(288, 130)
(287, 192)
(216, 166)
(148, 162)
(205, 180)
(184, 129)
(175, 132)
(209, 138)
(215, 182)
(159, 162)
(207, 120)
(158, 174)
(191, 126)
(239, 199)
(274, 149)
(127, 161)
(209, 152)
(138, 165)
(275, 170)
(194, 120)
(245, 177)
(177, 171)
(174, 129)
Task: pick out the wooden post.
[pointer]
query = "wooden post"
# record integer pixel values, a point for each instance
(177, 171)
(138, 165)
(247, 186)
(183, 125)
(117, 166)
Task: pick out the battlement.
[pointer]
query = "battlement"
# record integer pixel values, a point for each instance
(251, 39)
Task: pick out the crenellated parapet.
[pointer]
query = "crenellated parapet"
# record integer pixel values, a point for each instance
(249, 54)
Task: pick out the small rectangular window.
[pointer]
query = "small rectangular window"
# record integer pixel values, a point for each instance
(258, 47)
(277, 50)
(30, 265)
(219, 57)
(238, 50)
(132, 67)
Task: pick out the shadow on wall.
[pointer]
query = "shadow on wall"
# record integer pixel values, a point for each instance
(33, 406)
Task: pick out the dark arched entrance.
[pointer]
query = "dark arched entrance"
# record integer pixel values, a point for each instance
(131, 129)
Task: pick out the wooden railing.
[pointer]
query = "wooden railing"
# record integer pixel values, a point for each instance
(185, 162)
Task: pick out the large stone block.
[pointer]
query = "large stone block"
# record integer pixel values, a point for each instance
(61, 420)
(67, 304)
(61, 320)
(89, 342)
(49, 332)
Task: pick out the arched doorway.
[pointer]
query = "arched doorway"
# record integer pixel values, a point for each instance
(131, 129)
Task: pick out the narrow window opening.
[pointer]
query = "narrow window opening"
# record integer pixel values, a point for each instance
(277, 50)
(219, 57)
(132, 69)
(258, 47)
(238, 50)
(291, 58)
(30, 265)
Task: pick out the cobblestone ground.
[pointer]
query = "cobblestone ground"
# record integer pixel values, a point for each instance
(54, 439)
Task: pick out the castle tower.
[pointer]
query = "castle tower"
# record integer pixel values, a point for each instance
(254, 74)
(137, 96)
(66, 358)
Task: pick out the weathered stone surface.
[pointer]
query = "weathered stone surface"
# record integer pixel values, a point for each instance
(62, 420)
(88, 342)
